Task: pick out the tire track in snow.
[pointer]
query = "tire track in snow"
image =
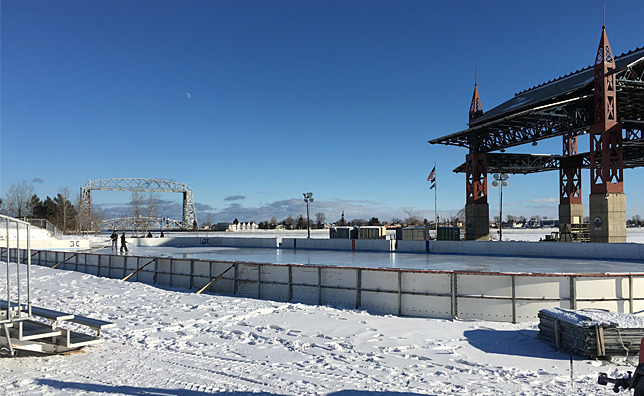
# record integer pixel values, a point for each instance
(242, 373)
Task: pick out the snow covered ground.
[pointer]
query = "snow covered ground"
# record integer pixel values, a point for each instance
(174, 342)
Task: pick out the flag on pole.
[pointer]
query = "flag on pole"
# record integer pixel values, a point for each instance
(432, 177)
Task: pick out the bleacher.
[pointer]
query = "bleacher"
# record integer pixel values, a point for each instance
(50, 331)
(24, 326)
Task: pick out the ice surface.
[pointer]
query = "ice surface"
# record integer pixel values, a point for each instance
(422, 261)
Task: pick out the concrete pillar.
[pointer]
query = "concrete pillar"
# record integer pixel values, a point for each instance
(477, 222)
(571, 214)
(608, 217)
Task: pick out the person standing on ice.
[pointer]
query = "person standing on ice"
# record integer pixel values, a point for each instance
(115, 240)
(123, 243)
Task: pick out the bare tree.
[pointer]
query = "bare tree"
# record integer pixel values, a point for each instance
(98, 215)
(413, 218)
(461, 215)
(137, 209)
(65, 211)
(152, 204)
(320, 218)
(18, 198)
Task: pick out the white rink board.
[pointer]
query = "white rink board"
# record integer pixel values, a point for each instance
(602, 288)
(435, 294)
(379, 302)
(484, 285)
(426, 306)
(484, 309)
(426, 282)
(542, 286)
(379, 280)
(338, 277)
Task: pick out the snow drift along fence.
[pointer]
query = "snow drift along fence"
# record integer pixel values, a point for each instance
(505, 297)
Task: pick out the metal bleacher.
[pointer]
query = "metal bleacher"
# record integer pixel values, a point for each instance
(24, 326)
(575, 232)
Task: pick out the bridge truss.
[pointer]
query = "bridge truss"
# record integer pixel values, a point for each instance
(189, 218)
(139, 223)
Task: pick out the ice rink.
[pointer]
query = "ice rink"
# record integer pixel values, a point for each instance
(422, 261)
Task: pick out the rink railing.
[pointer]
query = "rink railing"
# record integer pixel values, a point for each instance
(505, 297)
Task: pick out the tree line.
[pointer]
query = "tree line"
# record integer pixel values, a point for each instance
(21, 202)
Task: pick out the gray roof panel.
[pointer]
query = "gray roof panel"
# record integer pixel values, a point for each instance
(563, 85)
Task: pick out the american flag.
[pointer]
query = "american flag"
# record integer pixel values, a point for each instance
(432, 177)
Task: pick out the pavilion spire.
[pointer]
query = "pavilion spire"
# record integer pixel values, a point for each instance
(476, 110)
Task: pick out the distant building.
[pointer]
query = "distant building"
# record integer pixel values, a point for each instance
(549, 223)
(247, 226)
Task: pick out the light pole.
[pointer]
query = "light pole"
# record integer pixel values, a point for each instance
(308, 197)
(500, 181)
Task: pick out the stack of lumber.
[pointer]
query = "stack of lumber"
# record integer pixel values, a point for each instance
(591, 333)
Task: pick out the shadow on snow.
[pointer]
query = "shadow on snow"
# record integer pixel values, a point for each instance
(513, 342)
(133, 390)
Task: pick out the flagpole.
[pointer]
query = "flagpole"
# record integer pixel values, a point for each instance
(435, 212)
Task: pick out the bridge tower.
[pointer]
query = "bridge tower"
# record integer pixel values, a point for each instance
(477, 211)
(607, 198)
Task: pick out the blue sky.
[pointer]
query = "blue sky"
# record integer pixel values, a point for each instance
(252, 103)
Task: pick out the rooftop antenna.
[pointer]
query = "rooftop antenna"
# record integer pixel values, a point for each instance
(603, 14)
(474, 75)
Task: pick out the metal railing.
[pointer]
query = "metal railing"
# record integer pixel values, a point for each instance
(15, 252)
(506, 297)
(45, 225)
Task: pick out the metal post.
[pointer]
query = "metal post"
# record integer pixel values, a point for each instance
(259, 281)
(308, 197)
(630, 293)
(235, 281)
(308, 222)
(454, 302)
(399, 293)
(290, 283)
(573, 292)
(501, 213)
(8, 273)
(500, 181)
(358, 286)
(319, 285)
(28, 269)
(514, 299)
(18, 264)
(192, 272)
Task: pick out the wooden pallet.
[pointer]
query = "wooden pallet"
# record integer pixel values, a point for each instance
(591, 333)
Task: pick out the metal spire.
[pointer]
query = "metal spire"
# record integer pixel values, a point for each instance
(476, 110)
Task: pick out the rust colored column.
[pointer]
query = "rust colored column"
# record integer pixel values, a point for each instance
(477, 211)
(607, 198)
(571, 210)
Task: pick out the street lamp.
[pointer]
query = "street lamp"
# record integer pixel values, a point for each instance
(500, 181)
(308, 197)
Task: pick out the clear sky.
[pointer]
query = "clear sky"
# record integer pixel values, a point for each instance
(252, 103)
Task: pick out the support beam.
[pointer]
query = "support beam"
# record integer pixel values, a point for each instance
(571, 210)
(477, 211)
